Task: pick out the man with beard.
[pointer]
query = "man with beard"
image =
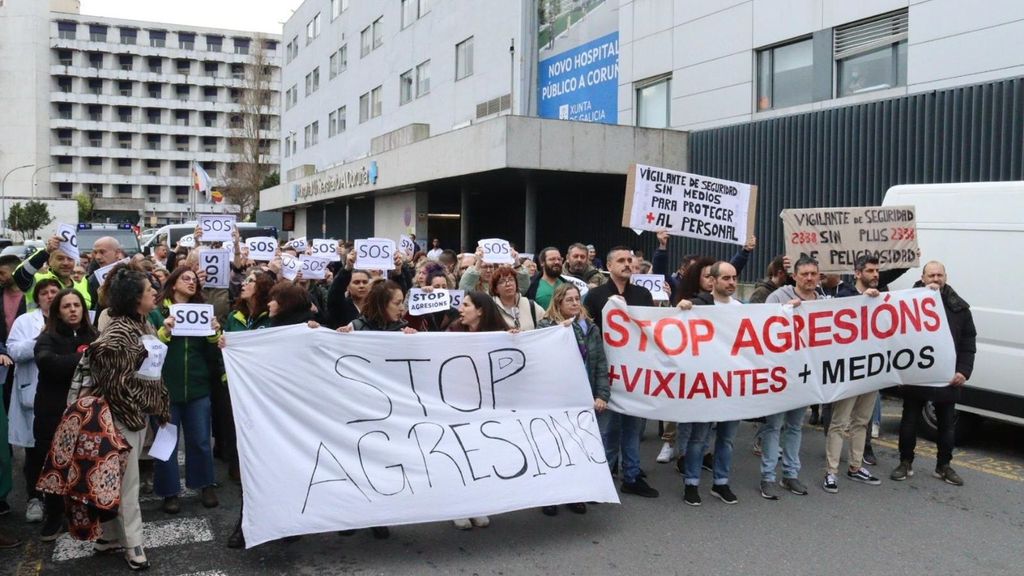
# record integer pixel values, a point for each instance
(60, 268)
(850, 416)
(579, 266)
(543, 285)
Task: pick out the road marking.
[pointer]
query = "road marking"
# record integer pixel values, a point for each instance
(964, 459)
(32, 562)
(154, 535)
(207, 573)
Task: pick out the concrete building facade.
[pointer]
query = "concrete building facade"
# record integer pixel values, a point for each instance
(118, 109)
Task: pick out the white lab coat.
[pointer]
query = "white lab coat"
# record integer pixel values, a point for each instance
(21, 345)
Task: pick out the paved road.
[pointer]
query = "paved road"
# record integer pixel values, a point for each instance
(918, 527)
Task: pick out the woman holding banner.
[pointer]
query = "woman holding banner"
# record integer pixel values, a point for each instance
(566, 308)
(518, 311)
(191, 368)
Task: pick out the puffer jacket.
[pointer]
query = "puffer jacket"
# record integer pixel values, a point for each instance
(592, 351)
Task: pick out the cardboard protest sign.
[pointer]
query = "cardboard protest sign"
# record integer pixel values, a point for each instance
(325, 248)
(313, 267)
(217, 265)
(835, 237)
(406, 246)
(216, 227)
(299, 244)
(375, 254)
(290, 266)
(192, 319)
(457, 296)
(423, 302)
(689, 205)
(386, 428)
(579, 284)
(261, 248)
(719, 363)
(654, 283)
(101, 273)
(496, 251)
(68, 234)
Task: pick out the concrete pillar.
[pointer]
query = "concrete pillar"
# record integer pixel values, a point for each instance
(530, 219)
(465, 242)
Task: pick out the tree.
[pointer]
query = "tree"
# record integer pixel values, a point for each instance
(252, 133)
(28, 218)
(84, 207)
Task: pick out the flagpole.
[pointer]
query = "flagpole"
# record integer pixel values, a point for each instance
(192, 188)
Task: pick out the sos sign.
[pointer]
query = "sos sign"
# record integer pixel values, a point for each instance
(216, 264)
(68, 240)
(192, 319)
(261, 248)
(217, 228)
(313, 267)
(496, 251)
(655, 283)
(375, 254)
(325, 248)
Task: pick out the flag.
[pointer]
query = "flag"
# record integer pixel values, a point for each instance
(217, 196)
(200, 180)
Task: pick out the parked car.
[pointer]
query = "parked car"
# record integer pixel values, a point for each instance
(123, 233)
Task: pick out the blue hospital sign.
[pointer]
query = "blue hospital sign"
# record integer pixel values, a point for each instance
(582, 83)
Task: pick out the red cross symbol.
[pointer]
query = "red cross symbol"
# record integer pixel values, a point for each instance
(650, 217)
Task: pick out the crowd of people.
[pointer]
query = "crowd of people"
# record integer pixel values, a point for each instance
(95, 359)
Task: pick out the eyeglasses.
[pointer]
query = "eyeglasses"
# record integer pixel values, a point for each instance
(187, 279)
(507, 280)
(248, 280)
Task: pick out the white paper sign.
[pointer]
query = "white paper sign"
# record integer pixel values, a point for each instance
(261, 248)
(688, 205)
(313, 267)
(526, 255)
(192, 319)
(216, 227)
(422, 302)
(153, 365)
(406, 246)
(457, 296)
(356, 442)
(719, 363)
(68, 234)
(496, 251)
(187, 241)
(101, 273)
(165, 442)
(217, 265)
(290, 266)
(299, 244)
(375, 254)
(579, 284)
(325, 248)
(655, 284)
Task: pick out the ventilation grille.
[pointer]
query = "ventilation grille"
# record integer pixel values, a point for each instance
(870, 34)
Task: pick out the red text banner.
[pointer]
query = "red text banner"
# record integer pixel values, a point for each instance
(719, 363)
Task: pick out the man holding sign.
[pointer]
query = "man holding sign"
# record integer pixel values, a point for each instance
(61, 265)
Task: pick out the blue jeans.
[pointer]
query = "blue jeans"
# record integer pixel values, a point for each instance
(621, 433)
(700, 436)
(790, 424)
(193, 418)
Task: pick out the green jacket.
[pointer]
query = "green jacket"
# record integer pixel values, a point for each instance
(27, 274)
(237, 322)
(192, 363)
(595, 361)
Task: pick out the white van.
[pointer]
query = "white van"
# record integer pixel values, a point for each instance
(171, 233)
(977, 231)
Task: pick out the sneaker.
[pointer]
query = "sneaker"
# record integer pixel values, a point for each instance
(875, 430)
(869, 456)
(639, 488)
(34, 510)
(52, 527)
(794, 485)
(549, 510)
(863, 476)
(102, 546)
(463, 524)
(830, 485)
(480, 521)
(903, 471)
(948, 475)
(209, 497)
(768, 491)
(691, 495)
(136, 558)
(666, 454)
(724, 493)
(171, 505)
(708, 462)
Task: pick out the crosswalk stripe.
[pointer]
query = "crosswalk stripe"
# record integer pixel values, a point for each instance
(206, 573)
(155, 535)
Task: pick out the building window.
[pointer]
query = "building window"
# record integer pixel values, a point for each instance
(97, 33)
(287, 146)
(423, 79)
(376, 101)
(157, 38)
(365, 42)
(342, 119)
(186, 41)
(405, 87)
(871, 54)
(155, 65)
(337, 7)
(64, 138)
(313, 29)
(291, 97)
(65, 57)
(67, 30)
(339, 61)
(129, 36)
(214, 43)
(95, 60)
(332, 123)
(785, 75)
(313, 81)
(126, 61)
(364, 107)
(312, 134)
(464, 58)
(378, 32)
(653, 99)
(241, 46)
(408, 12)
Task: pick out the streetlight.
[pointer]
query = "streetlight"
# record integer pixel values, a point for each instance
(3, 196)
(41, 168)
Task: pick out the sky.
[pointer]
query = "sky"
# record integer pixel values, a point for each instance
(246, 15)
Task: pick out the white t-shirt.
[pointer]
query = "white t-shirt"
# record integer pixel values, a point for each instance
(732, 302)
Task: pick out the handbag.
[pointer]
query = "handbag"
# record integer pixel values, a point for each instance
(81, 380)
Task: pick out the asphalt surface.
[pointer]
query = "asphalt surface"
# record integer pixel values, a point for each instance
(922, 526)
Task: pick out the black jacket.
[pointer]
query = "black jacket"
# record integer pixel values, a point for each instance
(961, 325)
(56, 356)
(361, 324)
(598, 297)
